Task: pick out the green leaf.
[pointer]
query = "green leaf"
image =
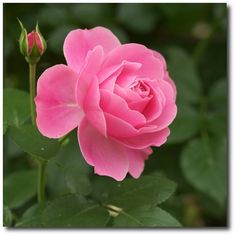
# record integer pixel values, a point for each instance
(183, 71)
(216, 123)
(139, 18)
(31, 141)
(211, 207)
(70, 169)
(146, 217)
(218, 94)
(16, 107)
(7, 216)
(67, 211)
(147, 190)
(19, 187)
(31, 217)
(185, 125)
(204, 164)
(77, 182)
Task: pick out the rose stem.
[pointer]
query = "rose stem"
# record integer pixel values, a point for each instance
(32, 74)
(41, 162)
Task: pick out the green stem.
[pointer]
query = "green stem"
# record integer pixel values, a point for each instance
(41, 181)
(32, 75)
(41, 163)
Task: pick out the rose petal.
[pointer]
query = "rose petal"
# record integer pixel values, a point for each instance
(140, 105)
(128, 94)
(117, 127)
(155, 106)
(136, 161)
(92, 109)
(160, 57)
(167, 116)
(108, 157)
(115, 105)
(56, 107)
(171, 82)
(145, 140)
(79, 42)
(87, 88)
(166, 76)
(89, 71)
(152, 67)
(167, 90)
(123, 75)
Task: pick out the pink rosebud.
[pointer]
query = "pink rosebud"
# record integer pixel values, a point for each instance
(32, 45)
(120, 97)
(34, 38)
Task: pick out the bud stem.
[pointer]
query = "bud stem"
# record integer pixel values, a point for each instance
(41, 181)
(32, 75)
(41, 163)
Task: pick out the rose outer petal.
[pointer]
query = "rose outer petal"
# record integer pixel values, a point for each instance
(136, 161)
(145, 140)
(56, 106)
(166, 76)
(108, 157)
(79, 42)
(151, 68)
(87, 90)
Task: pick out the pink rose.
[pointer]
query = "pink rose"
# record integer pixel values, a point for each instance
(119, 96)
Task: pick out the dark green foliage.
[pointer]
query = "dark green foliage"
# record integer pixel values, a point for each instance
(28, 138)
(19, 187)
(190, 188)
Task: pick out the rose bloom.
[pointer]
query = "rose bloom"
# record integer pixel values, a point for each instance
(120, 97)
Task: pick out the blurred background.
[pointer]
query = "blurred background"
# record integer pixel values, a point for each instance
(193, 39)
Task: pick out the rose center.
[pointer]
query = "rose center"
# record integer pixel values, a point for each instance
(141, 88)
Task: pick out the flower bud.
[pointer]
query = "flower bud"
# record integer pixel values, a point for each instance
(32, 45)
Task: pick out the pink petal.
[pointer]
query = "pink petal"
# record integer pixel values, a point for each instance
(33, 37)
(171, 82)
(136, 161)
(166, 76)
(155, 106)
(87, 88)
(79, 42)
(128, 74)
(92, 109)
(160, 57)
(115, 105)
(123, 74)
(167, 90)
(145, 140)
(140, 104)
(117, 127)
(108, 157)
(169, 110)
(89, 71)
(128, 94)
(152, 67)
(167, 116)
(56, 107)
